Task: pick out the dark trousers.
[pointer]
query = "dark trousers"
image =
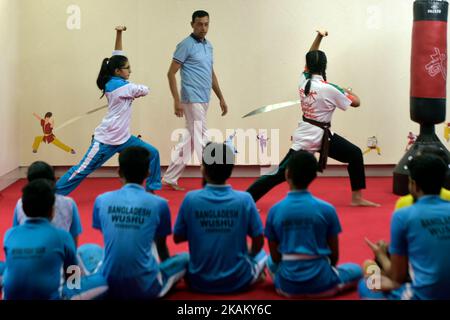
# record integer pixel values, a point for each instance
(341, 150)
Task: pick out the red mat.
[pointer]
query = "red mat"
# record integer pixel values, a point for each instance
(357, 223)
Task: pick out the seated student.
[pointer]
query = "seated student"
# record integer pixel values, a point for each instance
(66, 214)
(130, 220)
(38, 254)
(383, 262)
(216, 221)
(303, 238)
(420, 241)
(408, 200)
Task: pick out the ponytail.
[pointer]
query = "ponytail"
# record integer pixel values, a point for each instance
(308, 87)
(103, 76)
(109, 65)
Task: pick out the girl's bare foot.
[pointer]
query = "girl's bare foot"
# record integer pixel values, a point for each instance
(359, 201)
(364, 203)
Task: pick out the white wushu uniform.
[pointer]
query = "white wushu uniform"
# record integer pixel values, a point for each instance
(319, 105)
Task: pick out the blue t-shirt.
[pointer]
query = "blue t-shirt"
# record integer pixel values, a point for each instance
(216, 221)
(66, 215)
(422, 233)
(301, 224)
(37, 253)
(130, 220)
(196, 59)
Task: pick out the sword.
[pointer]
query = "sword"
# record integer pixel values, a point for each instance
(69, 122)
(272, 107)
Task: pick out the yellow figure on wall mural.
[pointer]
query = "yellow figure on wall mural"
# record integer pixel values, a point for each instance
(47, 125)
(372, 144)
(447, 132)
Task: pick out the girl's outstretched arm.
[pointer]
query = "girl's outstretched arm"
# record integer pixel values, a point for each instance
(320, 35)
(119, 30)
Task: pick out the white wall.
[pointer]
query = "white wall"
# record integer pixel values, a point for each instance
(259, 54)
(9, 91)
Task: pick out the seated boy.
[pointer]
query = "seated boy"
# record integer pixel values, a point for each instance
(66, 214)
(38, 254)
(216, 221)
(303, 238)
(420, 241)
(409, 199)
(130, 220)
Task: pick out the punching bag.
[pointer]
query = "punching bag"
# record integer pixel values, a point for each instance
(428, 82)
(429, 62)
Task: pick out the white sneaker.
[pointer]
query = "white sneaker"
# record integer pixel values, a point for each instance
(172, 186)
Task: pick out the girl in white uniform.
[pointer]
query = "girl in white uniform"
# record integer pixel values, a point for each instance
(319, 99)
(113, 134)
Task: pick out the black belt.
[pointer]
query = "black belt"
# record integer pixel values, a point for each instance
(325, 141)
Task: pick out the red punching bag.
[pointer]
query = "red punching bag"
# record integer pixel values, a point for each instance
(428, 83)
(429, 62)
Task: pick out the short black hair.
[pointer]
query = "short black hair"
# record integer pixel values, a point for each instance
(48, 115)
(134, 163)
(218, 162)
(40, 170)
(316, 61)
(38, 198)
(429, 172)
(302, 169)
(199, 14)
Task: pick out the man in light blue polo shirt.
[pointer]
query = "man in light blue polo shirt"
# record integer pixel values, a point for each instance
(194, 56)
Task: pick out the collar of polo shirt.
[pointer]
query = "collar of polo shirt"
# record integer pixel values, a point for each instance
(197, 38)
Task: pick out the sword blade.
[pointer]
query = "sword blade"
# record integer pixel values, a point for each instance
(70, 121)
(97, 109)
(272, 107)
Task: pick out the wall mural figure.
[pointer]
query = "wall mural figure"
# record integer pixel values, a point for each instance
(372, 144)
(411, 140)
(47, 124)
